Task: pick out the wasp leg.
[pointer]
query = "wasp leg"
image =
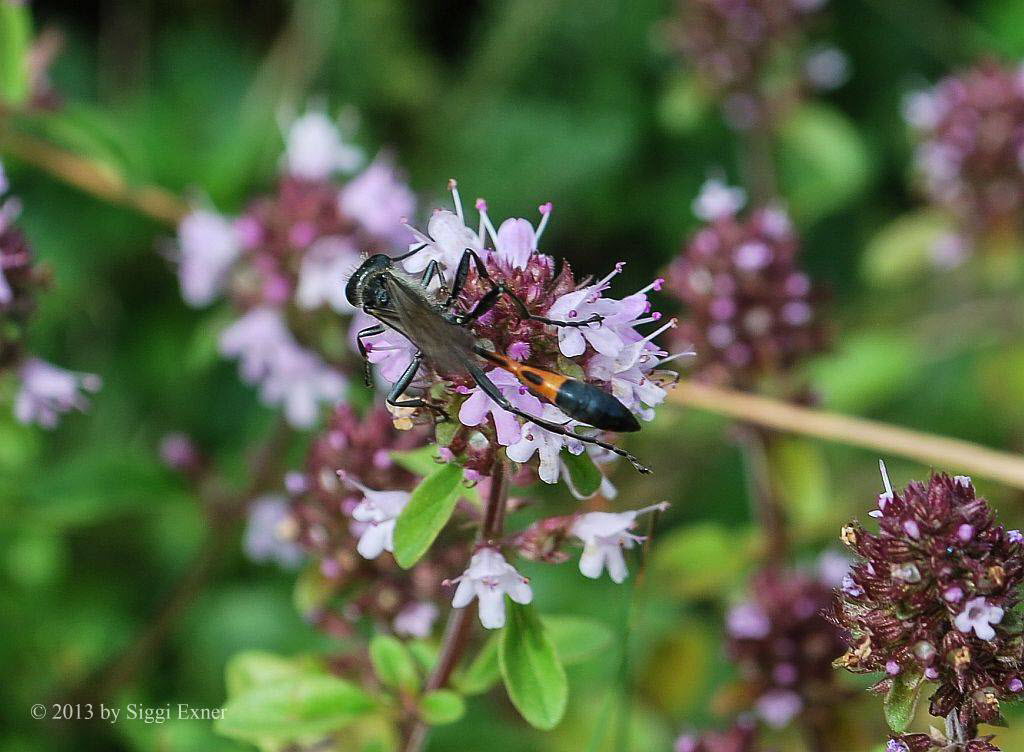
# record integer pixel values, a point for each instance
(367, 332)
(411, 253)
(498, 289)
(495, 394)
(434, 270)
(394, 397)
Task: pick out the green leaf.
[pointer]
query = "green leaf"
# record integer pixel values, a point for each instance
(901, 700)
(425, 653)
(575, 638)
(903, 249)
(256, 668)
(15, 39)
(441, 706)
(483, 672)
(393, 663)
(427, 512)
(868, 370)
(294, 708)
(534, 677)
(823, 161)
(421, 461)
(584, 477)
(800, 467)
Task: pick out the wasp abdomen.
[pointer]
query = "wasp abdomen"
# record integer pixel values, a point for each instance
(589, 404)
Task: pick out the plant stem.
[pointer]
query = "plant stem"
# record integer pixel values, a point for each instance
(952, 455)
(753, 442)
(93, 177)
(460, 621)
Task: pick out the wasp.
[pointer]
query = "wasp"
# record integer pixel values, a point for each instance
(432, 321)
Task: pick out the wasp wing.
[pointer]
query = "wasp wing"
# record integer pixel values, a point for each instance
(415, 313)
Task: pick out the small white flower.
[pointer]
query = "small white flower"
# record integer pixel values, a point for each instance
(314, 148)
(378, 511)
(47, 392)
(717, 200)
(545, 444)
(208, 245)
(488, 578)
(979, 615)
(604, 536)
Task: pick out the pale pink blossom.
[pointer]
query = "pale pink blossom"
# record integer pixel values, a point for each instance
(380, 200)
(605, 535)
(314, 148)
(208, 245)
(489, 578)
(47, 392)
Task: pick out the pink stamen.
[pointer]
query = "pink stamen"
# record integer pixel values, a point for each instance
(617, 270)
(485, 222)
(344, 477)
(545, 210)
(655, 285)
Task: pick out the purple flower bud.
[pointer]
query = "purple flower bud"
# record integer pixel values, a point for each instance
(965, 532)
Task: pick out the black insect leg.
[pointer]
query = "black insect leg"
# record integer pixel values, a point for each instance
(369, 331)
(498, 289)
(411, 253)
(394, 397)
(495, 394)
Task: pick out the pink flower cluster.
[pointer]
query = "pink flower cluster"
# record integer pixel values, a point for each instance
(933, 595)
(612, 353)
(750, 309)
(739, 47)
(970, 153)
(46, 391)
(283, 262)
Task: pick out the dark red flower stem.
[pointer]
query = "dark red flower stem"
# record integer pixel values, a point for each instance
(460, 622)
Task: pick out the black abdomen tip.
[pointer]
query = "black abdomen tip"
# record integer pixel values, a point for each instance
(601, 410)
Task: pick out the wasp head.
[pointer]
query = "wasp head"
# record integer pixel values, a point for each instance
(368, 285)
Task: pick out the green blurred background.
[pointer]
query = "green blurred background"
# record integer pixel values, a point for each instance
(582, 103)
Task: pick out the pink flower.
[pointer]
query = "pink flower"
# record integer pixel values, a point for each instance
(378, 511)
(380, 200)
(325, 264)
(534, 439)
(979, 615)
(604, 536)
(208, 246)
(47, 392)
(415, 620)
(717, 200)
(475, 409)
(267, 533)
(446, 239)
(314, 148)
(489, 578)
(287, 374)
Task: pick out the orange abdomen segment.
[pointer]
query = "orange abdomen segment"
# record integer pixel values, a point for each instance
(577, 399)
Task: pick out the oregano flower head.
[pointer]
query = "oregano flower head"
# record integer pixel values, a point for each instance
(750, 309)
(282, 264)
(970, 153)
(933, 595)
